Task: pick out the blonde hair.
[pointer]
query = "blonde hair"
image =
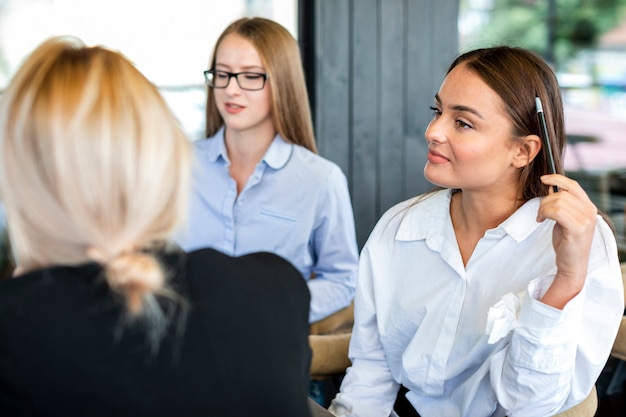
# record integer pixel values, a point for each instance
(280, 55)
(93, 167)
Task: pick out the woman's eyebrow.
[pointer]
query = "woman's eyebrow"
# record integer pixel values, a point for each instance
(245, 67)
(460, 107)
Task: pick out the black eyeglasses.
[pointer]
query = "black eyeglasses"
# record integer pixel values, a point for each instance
(250, 81)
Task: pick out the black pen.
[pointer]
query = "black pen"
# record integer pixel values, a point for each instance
(546, 139)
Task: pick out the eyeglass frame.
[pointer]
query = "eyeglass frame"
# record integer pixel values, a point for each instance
(236, 76)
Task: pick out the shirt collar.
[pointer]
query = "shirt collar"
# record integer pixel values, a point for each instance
(278, 153)
(276, 156)
(524, 221)
(436, 208)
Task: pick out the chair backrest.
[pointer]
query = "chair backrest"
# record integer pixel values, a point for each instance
(619, 346)
(587, 408)
(329, 340)
(338, 322)
(329, 355)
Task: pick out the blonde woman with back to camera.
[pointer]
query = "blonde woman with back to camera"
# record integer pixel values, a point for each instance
(103, 316)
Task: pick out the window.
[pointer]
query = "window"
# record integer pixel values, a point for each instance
(170, 42)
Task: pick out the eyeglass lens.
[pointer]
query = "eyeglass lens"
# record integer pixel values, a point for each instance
(246, 80)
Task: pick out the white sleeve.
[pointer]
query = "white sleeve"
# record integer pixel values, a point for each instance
(554, 357)
(368, 389)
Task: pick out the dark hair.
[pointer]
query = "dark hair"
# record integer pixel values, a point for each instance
(518, 75)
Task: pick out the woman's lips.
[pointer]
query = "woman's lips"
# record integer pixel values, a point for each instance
(233, 108)
(436, 158)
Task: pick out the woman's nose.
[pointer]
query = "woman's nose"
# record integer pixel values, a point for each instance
(434, 132)
(233, 86)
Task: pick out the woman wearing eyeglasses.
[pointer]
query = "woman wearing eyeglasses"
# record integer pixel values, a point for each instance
(259, 183)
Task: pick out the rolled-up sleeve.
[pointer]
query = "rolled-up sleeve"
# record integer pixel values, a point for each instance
(555, 356)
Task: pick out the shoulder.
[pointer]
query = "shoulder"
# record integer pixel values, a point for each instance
(205, 143)
(209, 147)
(255, 271)
(42, 289)
(32, 282)
(313, 163)
(217, 259)
(413, 215)
(417, 206)
(262, 284)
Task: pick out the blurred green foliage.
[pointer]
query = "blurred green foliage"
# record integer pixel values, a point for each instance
(576, 24)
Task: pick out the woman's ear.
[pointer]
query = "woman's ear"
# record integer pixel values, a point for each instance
(528, 149)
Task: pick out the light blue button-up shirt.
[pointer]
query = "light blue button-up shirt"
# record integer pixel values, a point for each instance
(295, 204)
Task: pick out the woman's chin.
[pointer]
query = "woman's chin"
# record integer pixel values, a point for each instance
(436, 179)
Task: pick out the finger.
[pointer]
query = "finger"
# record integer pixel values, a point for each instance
(574, 214)
(566, 184)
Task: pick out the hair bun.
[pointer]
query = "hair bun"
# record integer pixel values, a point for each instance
(133, 273)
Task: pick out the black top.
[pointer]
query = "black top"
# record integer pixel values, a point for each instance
(66, 349)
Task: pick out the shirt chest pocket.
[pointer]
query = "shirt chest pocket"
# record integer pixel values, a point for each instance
(275, 216)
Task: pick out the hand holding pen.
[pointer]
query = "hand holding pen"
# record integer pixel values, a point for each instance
(575, 217)
(546, 139)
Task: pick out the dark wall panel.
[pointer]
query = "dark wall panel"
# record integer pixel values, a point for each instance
(378, 64)
(365, 121)
(421, 88)
(332, 81)
(392, 90)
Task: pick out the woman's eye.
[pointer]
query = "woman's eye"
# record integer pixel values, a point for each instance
(463, 125)
(253, 76)
(436, 112)
(221, 75)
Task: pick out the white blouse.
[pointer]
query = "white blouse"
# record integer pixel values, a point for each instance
(475, 340)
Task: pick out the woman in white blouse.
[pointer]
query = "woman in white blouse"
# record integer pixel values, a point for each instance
(495, 295)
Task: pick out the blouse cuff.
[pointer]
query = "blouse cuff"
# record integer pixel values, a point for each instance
(540, 321)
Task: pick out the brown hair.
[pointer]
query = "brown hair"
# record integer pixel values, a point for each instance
(280, 56)
(518, 75)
